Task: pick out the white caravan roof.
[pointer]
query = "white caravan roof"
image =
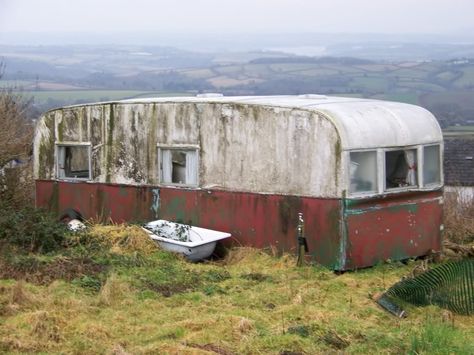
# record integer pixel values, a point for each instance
(361, 123)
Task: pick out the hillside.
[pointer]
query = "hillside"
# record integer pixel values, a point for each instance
(111, 292)
(64, 75)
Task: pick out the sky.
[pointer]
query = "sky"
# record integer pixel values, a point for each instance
(237, 16)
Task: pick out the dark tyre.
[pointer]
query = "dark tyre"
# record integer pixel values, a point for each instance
(70, 214)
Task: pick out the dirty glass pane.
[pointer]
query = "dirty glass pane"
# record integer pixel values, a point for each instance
(73, 162)
(400, 168)
(431, 165)
(363, 172)
(179, 166)
(178, 160)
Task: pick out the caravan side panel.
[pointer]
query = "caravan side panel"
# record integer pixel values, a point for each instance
(256, 220)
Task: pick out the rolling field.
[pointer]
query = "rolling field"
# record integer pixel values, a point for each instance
(76, 96)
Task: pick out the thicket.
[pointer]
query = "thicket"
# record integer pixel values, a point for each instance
(16, 132)
(458, 217)
(30, 229)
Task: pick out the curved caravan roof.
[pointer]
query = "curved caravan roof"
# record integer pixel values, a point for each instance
(362, 123)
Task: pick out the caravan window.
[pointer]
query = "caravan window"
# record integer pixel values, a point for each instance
(431, 165)
(401, 168)
(73, 162)
(179, 166)
(363, 171)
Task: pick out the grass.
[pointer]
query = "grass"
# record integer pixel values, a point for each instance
(439, 338)
(148, 301)
(458, 216)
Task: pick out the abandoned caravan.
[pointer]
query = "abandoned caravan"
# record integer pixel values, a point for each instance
(366, 174)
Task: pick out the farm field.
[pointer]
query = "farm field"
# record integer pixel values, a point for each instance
(66, 75)
(75, 96)
(112, 292)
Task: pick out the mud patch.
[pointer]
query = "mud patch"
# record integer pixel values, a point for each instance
(168, 290)
(211, 348)
(256, 276)
(41, 272)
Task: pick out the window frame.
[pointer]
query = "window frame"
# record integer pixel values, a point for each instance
(417, 186)
(440, 161)
(381, 170)
(88, 145)
(377, 163)
(181, 147)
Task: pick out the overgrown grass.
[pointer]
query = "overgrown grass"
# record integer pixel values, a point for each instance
(143, 301)
(439, 338)
(110, 290)
(459, 216)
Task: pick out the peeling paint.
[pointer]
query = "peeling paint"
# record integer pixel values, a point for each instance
(261, 162)
(155, 206)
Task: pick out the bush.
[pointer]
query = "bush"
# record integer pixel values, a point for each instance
(458, 217)
(31, 229)
(16, 132)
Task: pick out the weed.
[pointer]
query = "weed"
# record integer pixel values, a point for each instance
(119, 239)
(87, 282)
(45, 326)
(256, 276)
(439, 338)
(167, 280)
(210, 290)
(133, 302)
(301, 330)
(458, 217)
(113, 291)
(216, 275)
(212, 348)
(334, 340)
(31, 229)
(44, 270)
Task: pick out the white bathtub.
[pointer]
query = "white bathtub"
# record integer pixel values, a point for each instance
(200, 243)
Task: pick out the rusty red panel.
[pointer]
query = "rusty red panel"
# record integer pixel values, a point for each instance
(103, 202)
(260, 220)
(360, 234)
(257, 220)
(395, 228)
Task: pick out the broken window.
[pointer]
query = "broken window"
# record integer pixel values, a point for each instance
(73, 161)
(363, 171)
(431, 165)
(179, 166)
(400, 168)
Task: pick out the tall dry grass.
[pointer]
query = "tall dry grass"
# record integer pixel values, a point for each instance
(458, 217)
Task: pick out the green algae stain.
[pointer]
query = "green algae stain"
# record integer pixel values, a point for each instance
(337, 164)
(46, 151)
(53, 204)
(60, 126)
(409, 207)
(110, 135)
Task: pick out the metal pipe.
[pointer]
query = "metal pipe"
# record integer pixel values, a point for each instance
(302, 244)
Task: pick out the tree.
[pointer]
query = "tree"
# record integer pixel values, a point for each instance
(16, 132)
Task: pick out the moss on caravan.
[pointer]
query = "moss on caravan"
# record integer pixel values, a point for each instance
(366, 174)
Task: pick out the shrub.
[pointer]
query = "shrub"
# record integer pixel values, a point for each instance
(31, 229)
(458, 217)
(16, 130)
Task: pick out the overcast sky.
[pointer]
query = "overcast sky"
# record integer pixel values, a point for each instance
(237, 16)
